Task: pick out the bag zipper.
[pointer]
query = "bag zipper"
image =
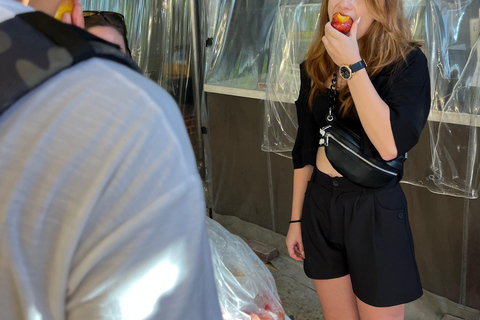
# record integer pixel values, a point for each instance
(329, 135)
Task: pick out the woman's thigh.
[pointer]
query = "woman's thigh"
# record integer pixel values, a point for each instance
(337, 298)
(368, 312)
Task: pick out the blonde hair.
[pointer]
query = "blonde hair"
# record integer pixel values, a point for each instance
(388, 40)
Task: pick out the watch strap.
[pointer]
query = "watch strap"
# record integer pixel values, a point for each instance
(358, 66)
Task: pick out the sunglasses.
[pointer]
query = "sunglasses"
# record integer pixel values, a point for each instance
(108, 18)
(108, 15)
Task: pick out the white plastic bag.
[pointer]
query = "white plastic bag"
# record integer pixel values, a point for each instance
(246, 288)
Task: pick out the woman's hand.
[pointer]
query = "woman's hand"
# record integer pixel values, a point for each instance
(341, 48)
(76, 18)
(294, 242)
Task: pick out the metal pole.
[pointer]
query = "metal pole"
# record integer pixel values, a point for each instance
(197, 78)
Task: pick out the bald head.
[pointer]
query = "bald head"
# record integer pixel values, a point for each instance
(109, 34)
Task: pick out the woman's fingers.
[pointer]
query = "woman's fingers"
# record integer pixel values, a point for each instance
(354, 30)
(302, 251)
(294, 242)
(77, 15)
(299, 251)
(332, 32)
(67, 18)
(294, 253)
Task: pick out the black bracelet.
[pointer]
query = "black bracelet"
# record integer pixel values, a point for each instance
(293, 221)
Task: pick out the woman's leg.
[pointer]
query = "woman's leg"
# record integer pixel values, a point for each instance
(337, 298)
(368, 312)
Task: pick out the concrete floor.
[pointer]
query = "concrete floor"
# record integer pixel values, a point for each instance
(298, 293)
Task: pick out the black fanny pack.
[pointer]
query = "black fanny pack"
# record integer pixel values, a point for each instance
(344, 151)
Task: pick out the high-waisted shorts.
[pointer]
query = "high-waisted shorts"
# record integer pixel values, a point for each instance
(349, 229)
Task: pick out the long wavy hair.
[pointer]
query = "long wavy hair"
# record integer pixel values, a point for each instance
(387, 41)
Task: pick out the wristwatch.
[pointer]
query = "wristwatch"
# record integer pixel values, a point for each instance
(347, 72)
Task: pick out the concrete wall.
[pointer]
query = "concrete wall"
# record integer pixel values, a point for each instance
(256, 186)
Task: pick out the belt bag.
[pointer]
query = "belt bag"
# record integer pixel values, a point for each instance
(343, 150)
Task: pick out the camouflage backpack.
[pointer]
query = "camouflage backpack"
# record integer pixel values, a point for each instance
(34, 47)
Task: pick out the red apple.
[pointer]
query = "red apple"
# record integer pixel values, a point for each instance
(341, 23)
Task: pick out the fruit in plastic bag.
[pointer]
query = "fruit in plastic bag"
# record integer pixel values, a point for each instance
(246, 288)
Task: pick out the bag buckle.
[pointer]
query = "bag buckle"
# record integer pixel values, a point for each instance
(324, 137)
(324, 130)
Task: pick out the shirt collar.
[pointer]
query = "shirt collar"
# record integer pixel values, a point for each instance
(10, 8)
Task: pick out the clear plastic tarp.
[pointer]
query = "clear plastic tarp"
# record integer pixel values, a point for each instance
(160, 39)
(159, 35)
(450, 32)
(258, 46)
(295, 29)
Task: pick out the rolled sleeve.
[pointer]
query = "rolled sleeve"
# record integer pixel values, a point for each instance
(408, 98)
(306, 143)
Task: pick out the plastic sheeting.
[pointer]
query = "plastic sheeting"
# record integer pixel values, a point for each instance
(160, 38)
(450, 32)
(294, 32)
(259, 44)
(159, 34)
(244, 31)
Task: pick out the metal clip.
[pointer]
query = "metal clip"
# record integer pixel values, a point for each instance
(330, 116)
(324, 136)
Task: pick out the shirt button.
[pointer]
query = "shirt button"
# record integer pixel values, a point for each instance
(400, 215)
(336, 183)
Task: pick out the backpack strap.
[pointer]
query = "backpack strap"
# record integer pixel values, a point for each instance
(34, 47)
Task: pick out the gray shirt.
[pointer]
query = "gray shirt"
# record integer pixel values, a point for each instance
(101, 206)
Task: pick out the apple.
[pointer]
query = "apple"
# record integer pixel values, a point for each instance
(341, 23)
(65, 6)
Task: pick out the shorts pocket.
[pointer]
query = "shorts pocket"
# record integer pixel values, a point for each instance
(390, 216)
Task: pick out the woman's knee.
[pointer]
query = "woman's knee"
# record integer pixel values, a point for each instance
(337, 298)
(368, 312)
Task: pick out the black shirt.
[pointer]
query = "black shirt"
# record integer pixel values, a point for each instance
(406, 91)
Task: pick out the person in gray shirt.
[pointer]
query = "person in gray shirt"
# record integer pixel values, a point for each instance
(102, 209)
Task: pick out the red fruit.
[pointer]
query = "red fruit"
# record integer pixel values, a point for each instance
(341, 23)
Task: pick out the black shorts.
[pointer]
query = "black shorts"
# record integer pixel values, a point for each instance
(348, 229)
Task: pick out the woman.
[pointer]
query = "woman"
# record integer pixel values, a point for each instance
(110, 26)
(356, 242)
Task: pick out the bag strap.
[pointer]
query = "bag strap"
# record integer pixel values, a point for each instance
(332, 95)
(34, 47)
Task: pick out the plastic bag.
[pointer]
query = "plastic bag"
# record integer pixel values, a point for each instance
(246, 289)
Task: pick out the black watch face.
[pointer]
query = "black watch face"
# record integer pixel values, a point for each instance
(345, 72)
